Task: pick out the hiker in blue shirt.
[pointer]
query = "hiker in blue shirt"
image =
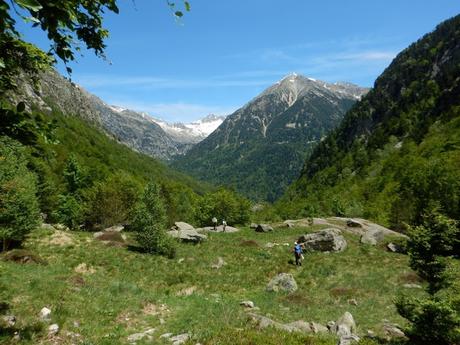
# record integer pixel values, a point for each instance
(298, 253)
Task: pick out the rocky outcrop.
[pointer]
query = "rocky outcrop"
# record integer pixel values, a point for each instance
(263, 228)
(282, 282)
(328, 240)
(191, 235)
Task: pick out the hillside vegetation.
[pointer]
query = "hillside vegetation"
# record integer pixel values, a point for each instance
(397, 152)
(260, 148)
(104, 294)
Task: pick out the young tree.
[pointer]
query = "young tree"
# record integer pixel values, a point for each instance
(149, 223)
(435, 319)
(19, 212)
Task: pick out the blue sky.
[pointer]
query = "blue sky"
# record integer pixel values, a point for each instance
(223, 53)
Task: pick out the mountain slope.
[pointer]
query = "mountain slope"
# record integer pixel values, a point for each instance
(397, 152)
(260, 148)
(137, 130)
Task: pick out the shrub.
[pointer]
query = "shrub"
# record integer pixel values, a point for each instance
(19, 212)
(149, 223)
(112, 201)
(69, 212)
(223, 204)
(435, 318)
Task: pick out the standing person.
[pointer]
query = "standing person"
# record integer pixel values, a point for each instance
(214, 223)
(224, 224)
(298, 254)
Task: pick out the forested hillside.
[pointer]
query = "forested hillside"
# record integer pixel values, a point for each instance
(397, 152)
(260, 148)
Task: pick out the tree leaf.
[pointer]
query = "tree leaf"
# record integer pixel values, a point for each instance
(2, 64)
(32, 5)
(187, 6)
(178, 14)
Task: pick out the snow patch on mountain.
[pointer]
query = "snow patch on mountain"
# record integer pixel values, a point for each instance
(193, 132)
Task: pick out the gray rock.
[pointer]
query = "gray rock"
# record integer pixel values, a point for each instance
(372, 237)
(348, 339)
(298, 326)
(53, 329)
(395, 248)
(354, 223)
(318, 328)
(116, 228)
(253, 226)
(393, 331)
(282, 282)
(247, 304)
(45, 314)
(180, 339)
(182, 226)
(325, 241)
(147, 334)
(219, 264)
(187, 235)
(353, 301)
(345, 325)
(264, 228)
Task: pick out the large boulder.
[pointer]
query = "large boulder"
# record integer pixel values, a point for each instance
(282, 282)
(345, 325)
(219, 228)
(263, 228)
(182, 226)
(327, 240)
(187, 235)
(372, 237)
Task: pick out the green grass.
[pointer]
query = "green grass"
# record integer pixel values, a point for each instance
(117, 300)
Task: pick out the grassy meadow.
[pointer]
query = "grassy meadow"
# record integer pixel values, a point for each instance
(121, 291)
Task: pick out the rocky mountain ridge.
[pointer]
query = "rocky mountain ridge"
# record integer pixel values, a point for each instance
(137, 130)
(264, 143)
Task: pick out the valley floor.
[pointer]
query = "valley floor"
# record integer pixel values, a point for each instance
(120, 292)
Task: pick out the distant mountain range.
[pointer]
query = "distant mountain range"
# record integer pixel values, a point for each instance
(194, 132)
(137, 130)
(260, 148)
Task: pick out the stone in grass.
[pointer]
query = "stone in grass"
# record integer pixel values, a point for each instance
(327, 240)
(348, 339)
(247, 304)
(180, 339)
(219, 264)
(53, 329)
(133, 338)
(264, 228)
(345, 325)
(282, 282)
(45, 314)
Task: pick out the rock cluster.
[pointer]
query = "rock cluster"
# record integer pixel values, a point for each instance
(186, 233)
(282, 282)
(327, 240)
